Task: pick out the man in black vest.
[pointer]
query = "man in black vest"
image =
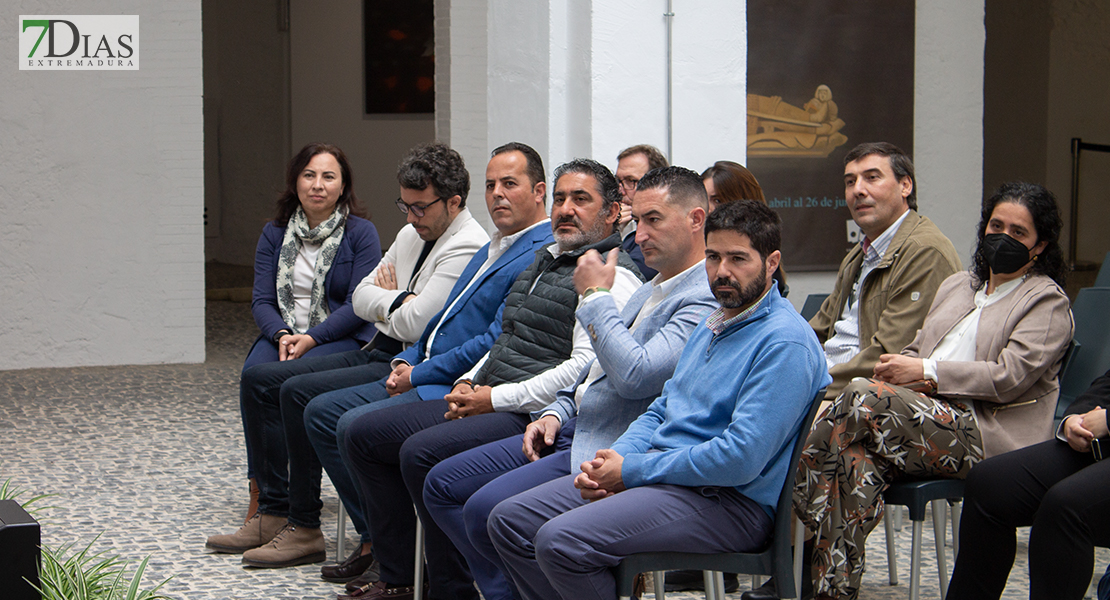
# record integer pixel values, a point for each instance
(541, 350)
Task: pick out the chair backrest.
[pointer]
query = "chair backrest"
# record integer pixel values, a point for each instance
(1103, 278)
(784, 510)
(812, 305)
(1091, 311)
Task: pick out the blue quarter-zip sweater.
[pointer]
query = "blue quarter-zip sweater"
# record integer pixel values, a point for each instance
(732, 410)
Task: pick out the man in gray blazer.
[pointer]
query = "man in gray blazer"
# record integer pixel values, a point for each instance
(637, 350)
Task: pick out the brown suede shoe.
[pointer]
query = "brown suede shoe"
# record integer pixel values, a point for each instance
(290, 547)
(259, 530)
(252, 507)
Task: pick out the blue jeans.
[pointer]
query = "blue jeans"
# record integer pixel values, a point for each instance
(460, 492)
(556, 545)
(276, 441)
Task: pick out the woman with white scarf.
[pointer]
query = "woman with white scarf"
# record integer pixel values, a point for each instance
(309, 260)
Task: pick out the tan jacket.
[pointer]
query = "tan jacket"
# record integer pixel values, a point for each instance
(1019, 346)
(894, 299)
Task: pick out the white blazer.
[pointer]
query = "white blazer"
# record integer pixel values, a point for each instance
(432, 284)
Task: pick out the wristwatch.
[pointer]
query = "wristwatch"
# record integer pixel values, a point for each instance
(281, 333)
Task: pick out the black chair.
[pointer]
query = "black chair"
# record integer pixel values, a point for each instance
(1103, 277)
(917, 495)
(774, 560)
(1091, 311)
(812, 305)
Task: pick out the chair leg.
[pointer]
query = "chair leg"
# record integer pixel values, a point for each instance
(915, 559)
(957, 509)
(418, 571)
(891, 551)
(718, 585)
(341, 535)
(658, 579)
(799, 541)
(940, 530)
(757, 580)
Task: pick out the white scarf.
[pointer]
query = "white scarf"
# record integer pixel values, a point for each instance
(329, 233)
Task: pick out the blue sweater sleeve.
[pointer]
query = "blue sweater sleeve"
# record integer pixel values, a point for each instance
(362, 237)
(769, 406)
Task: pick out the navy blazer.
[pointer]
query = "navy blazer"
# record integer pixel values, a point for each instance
(359, 252)
(474, 322)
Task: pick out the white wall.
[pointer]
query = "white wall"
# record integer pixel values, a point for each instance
(948, 117)
(102, 197)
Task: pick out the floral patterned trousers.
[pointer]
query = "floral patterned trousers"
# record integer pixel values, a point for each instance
(873, 434)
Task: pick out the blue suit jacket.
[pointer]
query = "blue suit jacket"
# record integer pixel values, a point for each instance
(359, 252)
(636, 364)
(469, 330)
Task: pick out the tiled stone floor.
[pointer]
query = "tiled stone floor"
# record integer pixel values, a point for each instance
(151, 458)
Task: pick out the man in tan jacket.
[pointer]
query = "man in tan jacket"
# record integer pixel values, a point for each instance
(885, 284)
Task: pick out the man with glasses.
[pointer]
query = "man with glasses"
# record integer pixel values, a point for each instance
(400, 297)
(632, 164)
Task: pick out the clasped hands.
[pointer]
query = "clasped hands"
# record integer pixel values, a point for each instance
(466, 400)
(601, 477)
(294, 345)
(898, 369)
(1081, 429)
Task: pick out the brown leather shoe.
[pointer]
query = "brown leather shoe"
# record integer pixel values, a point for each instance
(257, 531)
(290, 547)
(380, 590)
(355, 565)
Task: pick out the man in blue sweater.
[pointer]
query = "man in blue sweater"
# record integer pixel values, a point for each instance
(701, 470)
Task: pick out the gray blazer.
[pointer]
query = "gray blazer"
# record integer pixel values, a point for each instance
(1019, 346)
(636, 365)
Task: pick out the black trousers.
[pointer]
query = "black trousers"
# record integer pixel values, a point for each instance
(1063, 494)
(392, 450)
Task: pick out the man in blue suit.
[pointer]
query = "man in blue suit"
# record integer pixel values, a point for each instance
(452, 342)
(637, 350)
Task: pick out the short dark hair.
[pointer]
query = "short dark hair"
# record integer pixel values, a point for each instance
(655, 158)
(733, 181)
(289, 201)
(751, 218)
(1042, 206)
(437, 165)
(534, 166)
(683, 186)
(607, 186)
(900, 163)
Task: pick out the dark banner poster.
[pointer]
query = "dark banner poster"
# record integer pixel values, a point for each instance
(823, 76)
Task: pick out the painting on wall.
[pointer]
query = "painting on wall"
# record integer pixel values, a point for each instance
(823, 76)
(399, 46)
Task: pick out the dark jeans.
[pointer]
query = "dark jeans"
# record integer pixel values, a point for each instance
(275, 441)
(461, 491)
(264, 351)
(391, 450)
(1063, 494)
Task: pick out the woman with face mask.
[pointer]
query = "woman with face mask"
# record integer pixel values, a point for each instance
(978, 380)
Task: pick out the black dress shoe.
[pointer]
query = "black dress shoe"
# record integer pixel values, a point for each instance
(355, 565)
(686, 580)
(371, 575)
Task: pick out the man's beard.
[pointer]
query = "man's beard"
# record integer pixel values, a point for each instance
(582, 237)
(730, 294)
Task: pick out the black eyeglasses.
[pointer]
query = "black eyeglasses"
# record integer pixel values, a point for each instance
(415, 208)
(628, 183)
